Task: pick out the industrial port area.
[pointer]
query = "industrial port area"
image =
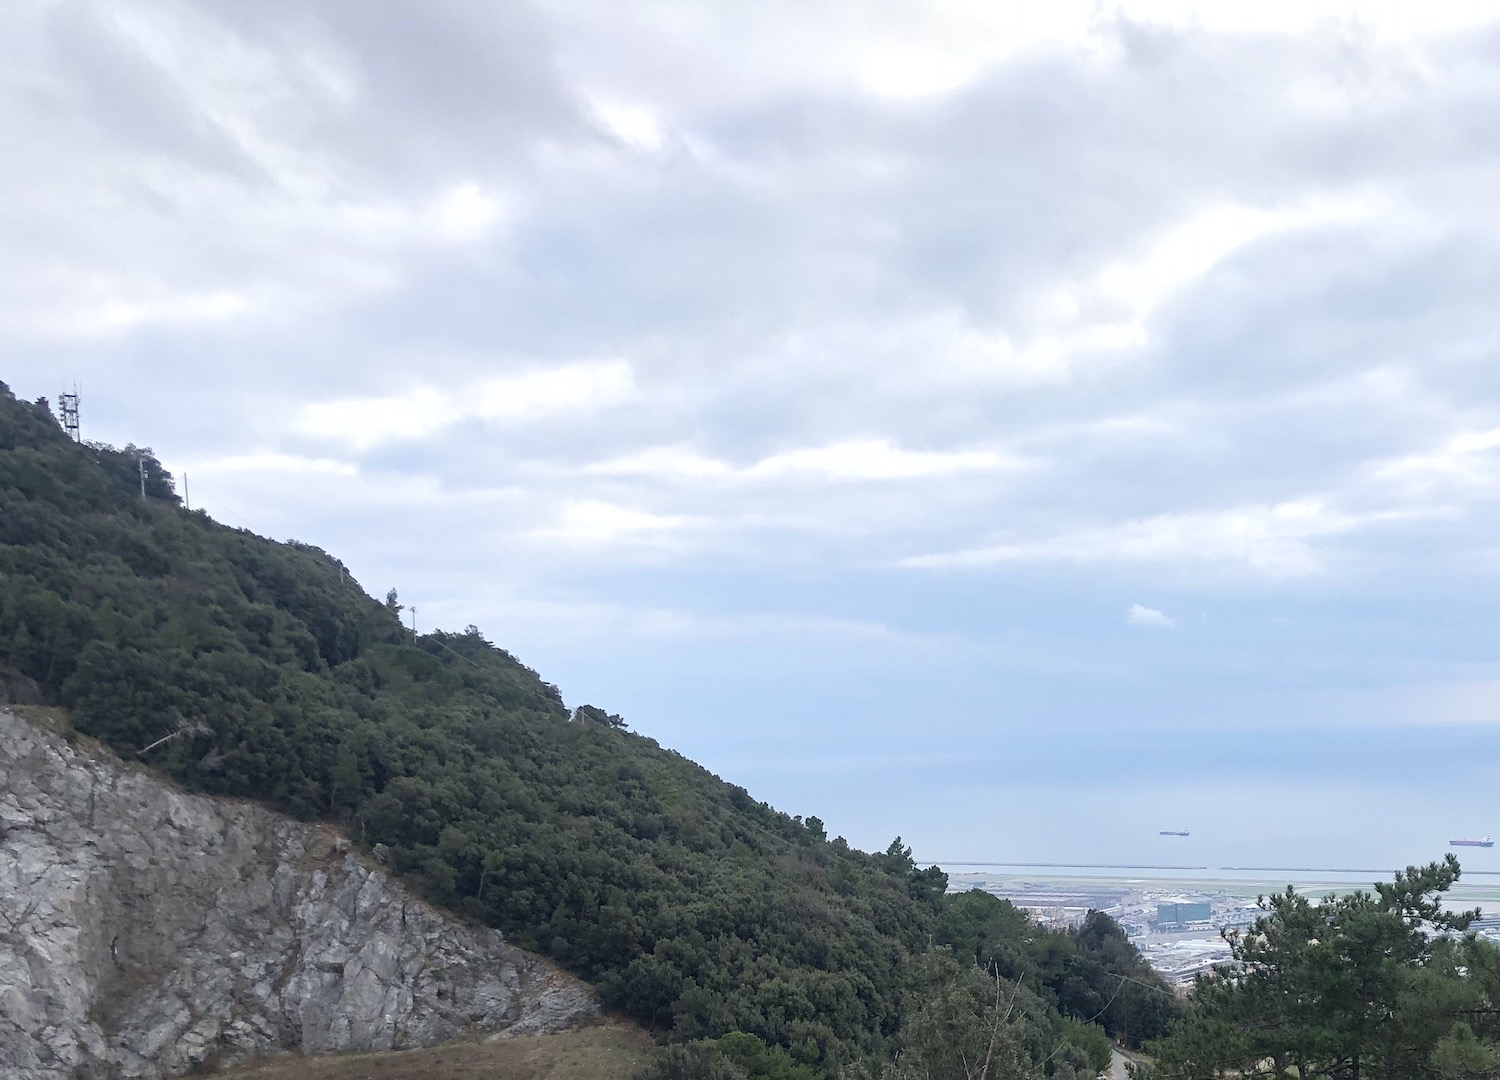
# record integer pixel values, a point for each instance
(1177, 916)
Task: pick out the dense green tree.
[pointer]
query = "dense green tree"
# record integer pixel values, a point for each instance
(1369, 985)
(966, 1023)
(1091, 972)
(734, 1056)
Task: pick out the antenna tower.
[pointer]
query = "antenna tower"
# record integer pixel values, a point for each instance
(69, 403)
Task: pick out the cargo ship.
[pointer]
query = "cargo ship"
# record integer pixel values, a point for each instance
(1486, 841)
(1174, 832)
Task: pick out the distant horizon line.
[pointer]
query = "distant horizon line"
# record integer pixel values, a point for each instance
(1158, 866)
(1072, 866)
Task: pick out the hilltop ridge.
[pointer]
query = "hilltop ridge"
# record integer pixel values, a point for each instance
(241, 666)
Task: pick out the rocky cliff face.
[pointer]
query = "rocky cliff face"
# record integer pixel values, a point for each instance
(145, 932)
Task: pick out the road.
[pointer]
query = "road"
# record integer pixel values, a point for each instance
(1117, 1066)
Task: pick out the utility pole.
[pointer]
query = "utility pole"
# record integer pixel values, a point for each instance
(141, 465)
(413, 623)
(187, 499)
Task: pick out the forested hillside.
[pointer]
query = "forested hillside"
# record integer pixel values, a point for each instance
(245, 667)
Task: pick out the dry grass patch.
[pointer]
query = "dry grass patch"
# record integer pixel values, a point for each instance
(606, 1052)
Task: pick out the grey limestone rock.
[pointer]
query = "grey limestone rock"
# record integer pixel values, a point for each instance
(145, 932)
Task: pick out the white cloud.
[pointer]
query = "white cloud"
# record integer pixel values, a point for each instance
(466, 212)
(705, 56)
(183, 308)
(636, 126)
(593, 521)
(663, 462)
(1468, 702)
(1466, 460)
(900, 71)
(1184, 253)
(850, 461)
(369, 421)
(424, 410)
(877, 459)
(1276, 540)
(1140, 615)
(576, 619)
(579, 387)
(52, 302)
(1077, 319)
(1394, 17)
(1108, 310)
(272, 462)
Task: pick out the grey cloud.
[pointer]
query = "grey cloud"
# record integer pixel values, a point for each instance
(453, 86)
(130, 103)
(789, 271)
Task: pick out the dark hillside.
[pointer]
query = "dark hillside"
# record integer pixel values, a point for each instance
(245, 667)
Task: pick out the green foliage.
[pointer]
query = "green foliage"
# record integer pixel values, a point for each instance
(1092, 973)
(700, 1060)
(1375, 984)
(248, 668)
(966, 1023)
(735, 1056)
(1459, 1055)
(1092, 1045)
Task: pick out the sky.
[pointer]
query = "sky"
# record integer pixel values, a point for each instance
(1021, 428)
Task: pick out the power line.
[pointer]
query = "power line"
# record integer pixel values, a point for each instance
(220, 508)
(1146, 985)
(1058, 1048)
(1127, 978)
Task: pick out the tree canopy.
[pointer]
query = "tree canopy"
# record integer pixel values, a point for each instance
(1379, 984)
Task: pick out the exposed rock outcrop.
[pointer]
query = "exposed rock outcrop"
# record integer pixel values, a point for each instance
(145, 932)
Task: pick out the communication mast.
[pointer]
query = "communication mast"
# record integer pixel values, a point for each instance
(69, 403)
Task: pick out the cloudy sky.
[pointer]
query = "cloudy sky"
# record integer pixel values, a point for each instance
(1022, 427)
